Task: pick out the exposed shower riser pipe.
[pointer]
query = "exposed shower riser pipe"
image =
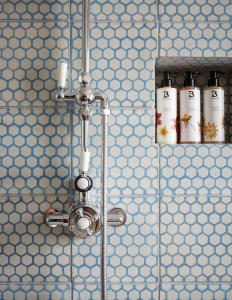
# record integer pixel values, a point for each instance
(85, 129)
(85, 35)
(104, 106)
(104, 236)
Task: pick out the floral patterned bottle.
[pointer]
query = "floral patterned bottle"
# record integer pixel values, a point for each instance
(190, 111)
(166, 108)
(214, 111)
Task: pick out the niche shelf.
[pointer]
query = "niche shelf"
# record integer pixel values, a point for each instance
(202, 65)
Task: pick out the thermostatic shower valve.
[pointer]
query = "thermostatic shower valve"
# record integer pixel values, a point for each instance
(84, 219)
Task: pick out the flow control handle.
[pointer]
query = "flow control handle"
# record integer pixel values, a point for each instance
(63, 68)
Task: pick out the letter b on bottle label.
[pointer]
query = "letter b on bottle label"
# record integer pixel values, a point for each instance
(214, 94)
(166, 94)
(191, 94)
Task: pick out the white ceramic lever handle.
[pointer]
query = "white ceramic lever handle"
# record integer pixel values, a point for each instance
(84, 161)
(63, 67)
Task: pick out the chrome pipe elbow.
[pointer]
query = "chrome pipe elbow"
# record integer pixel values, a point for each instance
(104, 101)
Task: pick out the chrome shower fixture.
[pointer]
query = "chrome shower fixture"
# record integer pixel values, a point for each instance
(84, 217)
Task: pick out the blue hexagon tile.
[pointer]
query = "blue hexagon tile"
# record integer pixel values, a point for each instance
(35, 291)
(30, 250)
(132, 249)
(86, 259)
(117, 291)
(29, 54)
(117, 10)
(22, 9)
(122, 61)
(196, 243)
(133, 157)
(196, 39)
(195, 10)
(196, 170)
(196, 292)
(35, 151)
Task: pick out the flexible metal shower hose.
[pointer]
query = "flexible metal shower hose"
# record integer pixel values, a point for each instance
(104, 237)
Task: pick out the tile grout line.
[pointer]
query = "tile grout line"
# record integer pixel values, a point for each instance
(122, 195)
(71, 151)
(159, 225)
(144, 21)
(159, 152)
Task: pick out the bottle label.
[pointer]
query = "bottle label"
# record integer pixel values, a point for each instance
(214, 115)
(190, 116)
(166, 115)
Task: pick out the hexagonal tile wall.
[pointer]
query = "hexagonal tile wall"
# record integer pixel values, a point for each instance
(196, 241)
(132, 249)
(196, 170)
(22, 9)
(196, 39)
(117, 10)
(29, 55)
(133, 157)
(36, 157)
(35, 291)
(196, 291)
(30, 250)
(35, 148)
(117, 291)
(122, 61)
(195, 10)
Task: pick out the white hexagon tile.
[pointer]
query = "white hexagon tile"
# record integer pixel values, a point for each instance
(34, 9)
(35, 151)
(117, 10)
(133, 156)
(30, 250)
(196, 170)
(196, 39)
(195, 10)
(117, 291)
(29, 54)
(132, 249)
(122, 61)
(196, 292)
(35, 291)
(196, 244)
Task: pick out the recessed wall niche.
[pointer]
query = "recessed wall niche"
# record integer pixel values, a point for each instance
(203, 65)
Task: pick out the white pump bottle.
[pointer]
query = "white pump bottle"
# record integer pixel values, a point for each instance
(166, 111)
